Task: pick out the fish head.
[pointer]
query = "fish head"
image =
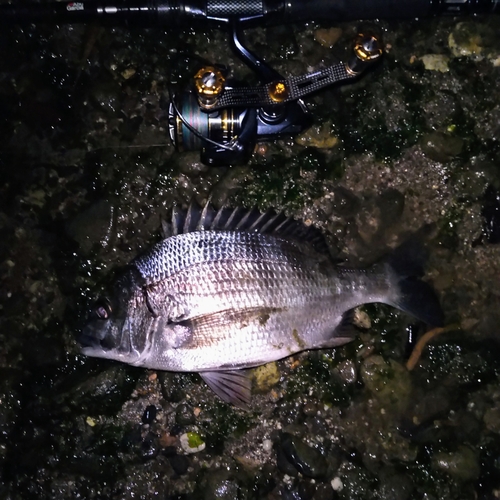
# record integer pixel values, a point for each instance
(110, 331)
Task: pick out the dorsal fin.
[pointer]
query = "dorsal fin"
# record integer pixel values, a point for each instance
(177, 223)
(207, 218)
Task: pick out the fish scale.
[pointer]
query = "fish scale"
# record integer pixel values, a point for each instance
(218, 298)
(181, 251)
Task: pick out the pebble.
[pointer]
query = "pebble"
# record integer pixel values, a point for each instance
(492, 419)
(191, 442)
(150, 447)
(347, 372)
(328, 37)
(180, 464)
(336, 483)
(436, 62)
(265, 377)
(318, 136)
(219, 485)
(184, 415)
(267, 445)
(441, 147)
(466, 40)
(462, 464)
(307, 460)
(149, 414)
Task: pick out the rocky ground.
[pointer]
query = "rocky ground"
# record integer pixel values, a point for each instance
(87, 172)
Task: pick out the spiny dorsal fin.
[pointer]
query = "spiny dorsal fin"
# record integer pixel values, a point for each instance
(207, 218)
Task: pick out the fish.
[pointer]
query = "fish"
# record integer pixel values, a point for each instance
(232, 288)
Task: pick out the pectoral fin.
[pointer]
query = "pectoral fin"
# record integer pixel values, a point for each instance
(233, 387)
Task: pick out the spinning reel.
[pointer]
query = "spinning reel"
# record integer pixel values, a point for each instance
(225, 120)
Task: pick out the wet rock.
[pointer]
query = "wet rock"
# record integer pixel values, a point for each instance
(230, 182)
(491, 215)
(388, 381)
(441, 147)
(361, 319)
(171, 386)
(131, 439)
(150, 447)
(265, 377)
(284, 464)
(184, 415)
(436, 62)
(394, 486)
(303, 491)
(180, 464)
(93, 226)
(462, 465)
(468, 427)
(107, 95)
(489, 126)
(219, 485)
(328, 37)
(324, 492)
(492, 419)
(149, 415)
(440, 109)
(347, 371)
(369, 220)
(170, 451)
(130, 128)
(191, 165)
(354, 482)
(310, 409)
(319, 136)
(303, 457)
(282, 41)
(391, 203)
(470, 39)
(101, 393)
(432, 405)
(344, 202)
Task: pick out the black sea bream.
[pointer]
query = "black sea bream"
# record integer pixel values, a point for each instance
(231, 289)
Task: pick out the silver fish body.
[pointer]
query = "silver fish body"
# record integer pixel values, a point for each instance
(220, 298)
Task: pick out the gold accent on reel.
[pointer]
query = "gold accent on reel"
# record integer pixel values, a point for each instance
(209, 83)
(278, 91)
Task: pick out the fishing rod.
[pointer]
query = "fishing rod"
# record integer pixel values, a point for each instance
(246, 12)
(225, 119)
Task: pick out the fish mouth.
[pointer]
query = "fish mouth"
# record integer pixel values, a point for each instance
(97, 344)
(92, 346)
(85, 340)
(93, 341)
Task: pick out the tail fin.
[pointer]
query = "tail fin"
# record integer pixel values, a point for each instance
(415, 296)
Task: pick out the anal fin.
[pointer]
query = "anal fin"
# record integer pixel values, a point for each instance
(233, 387)
(344, 333)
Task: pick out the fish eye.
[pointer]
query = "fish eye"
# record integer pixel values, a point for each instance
(102, 309)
